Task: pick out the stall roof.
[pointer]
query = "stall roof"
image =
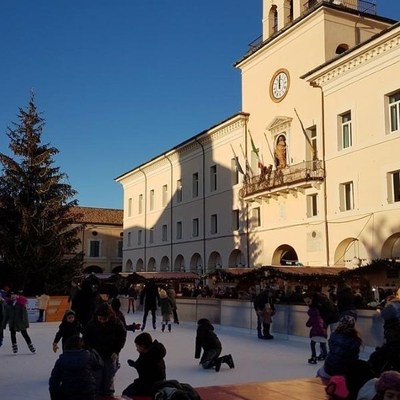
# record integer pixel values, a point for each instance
(287, 269)
(164, 276)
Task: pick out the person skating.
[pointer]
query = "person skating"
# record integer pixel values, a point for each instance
(264, 306)
(69, 327)
(166, 310)
(208, 341)
(72, 377)
(149, 299)
(150, 366)
(16, 316)
(106, 334)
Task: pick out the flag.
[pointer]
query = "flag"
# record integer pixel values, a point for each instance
(256, 151)
(305, 133)
(248, 167)
(238, 166)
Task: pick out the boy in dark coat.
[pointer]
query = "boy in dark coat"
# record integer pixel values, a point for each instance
(207, 340)
(72, 376)
(150, 366)
(106, 334)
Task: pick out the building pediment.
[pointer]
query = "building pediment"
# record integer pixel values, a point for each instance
(279, 124)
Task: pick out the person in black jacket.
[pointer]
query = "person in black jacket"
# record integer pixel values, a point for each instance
(150, 366)
(149, 298)
(69, 327)
(72, 376)
(207, 340)
(106, 334)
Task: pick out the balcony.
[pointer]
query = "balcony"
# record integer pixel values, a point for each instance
(368, 7)
(277, 182)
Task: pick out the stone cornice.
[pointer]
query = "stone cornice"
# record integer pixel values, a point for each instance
(354, 61)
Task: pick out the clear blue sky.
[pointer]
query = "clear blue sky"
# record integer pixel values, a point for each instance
(121, 81)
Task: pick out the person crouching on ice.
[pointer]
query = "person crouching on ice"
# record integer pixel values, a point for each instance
(207, 340)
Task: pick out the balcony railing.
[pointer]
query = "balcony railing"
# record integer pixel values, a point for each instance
(293, 177)
(366, 6)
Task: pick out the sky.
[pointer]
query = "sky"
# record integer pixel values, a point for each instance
(120, 82)
(25, 375)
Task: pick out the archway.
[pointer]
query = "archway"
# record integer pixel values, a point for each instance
(179, 264)
(117, 269)
(214, 261)
(140, 265)
(196, 263)
(391, 247)
(129, 266)
(350, 252)
(151, 265)
(236, 259)
(164, 265)
(285, 255)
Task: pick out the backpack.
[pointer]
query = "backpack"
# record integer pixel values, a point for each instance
(174, 390)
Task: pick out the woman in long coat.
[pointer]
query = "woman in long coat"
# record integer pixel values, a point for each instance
(16, 316)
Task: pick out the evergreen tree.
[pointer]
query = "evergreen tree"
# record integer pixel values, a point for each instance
(38, 233)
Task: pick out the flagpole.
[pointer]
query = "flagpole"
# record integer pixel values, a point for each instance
(269, 148)
(305, 134)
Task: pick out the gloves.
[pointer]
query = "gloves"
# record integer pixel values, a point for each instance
(131, 363)
(137, 326)
(55, 347)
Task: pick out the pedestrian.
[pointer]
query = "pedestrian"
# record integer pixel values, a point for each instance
(166, 310)
(106, 334)
(42, 303)
(346, 301)
(16, 316)
(1, 320)
(149, 298)
(150, 366)
(327, 309)
(69, 327)
(72, 377)
(132, 296)
(318, 330)
(391, 317)
(265, 309)
(74, 289)
(208, 341)
(86, 300)
(172, 295)
(344, 347)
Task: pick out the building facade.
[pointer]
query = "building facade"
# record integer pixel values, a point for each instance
(101, 239)
(306, 174)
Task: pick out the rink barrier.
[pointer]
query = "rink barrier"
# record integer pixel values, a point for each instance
(56, 308)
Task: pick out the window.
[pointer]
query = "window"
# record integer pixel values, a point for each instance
(213, 178)
(129, 239)
(179, 230)
(179, 194)
(195, 188)
(119, 249)
(312, 205)
(394, 186)
(151, 235)
(164, 195)
(234, 171)
(151, 205)
(94, 250)
(164, 233)
(140, 209)
(130, 207)
(140, 237)
(235, 220)
(256, 216)
(346, 196)
(195, 230)
(214, 224)
(394, 111)
(346, 139)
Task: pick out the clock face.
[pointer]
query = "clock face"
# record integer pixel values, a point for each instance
(279, 85)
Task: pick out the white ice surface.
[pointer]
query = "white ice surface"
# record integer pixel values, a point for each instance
(25, 375)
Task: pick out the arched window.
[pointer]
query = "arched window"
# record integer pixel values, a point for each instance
(342, 48)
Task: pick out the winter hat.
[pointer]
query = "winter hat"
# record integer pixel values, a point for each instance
(69, 312)
(163, 294)
(346, 322)
(388, 380)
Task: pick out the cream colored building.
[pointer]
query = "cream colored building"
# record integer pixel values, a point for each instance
(101, 239)
(318, 140)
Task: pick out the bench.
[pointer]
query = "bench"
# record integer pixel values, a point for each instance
(296, 389)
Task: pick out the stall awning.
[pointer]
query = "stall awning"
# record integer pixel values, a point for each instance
(162, 276)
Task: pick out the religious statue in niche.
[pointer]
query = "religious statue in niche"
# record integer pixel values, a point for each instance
(280, 152)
